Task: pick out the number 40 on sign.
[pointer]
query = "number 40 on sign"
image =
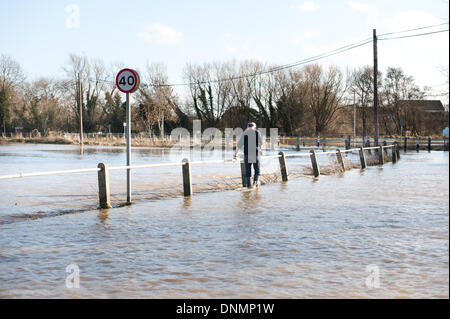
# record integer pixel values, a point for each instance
(127, 80)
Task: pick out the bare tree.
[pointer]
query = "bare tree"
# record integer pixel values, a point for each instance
(398, 88)
(291, 105)
(362, 87)
(42, 108)
(210, 91)
(11, 74)
(92, 74)
(242, 111)
(11, 80)
(325, 90)
(264, 93)
(157, 99)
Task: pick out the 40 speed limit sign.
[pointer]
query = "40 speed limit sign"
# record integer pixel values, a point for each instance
(127, 80)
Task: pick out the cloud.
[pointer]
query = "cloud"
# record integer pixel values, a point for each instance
(160, 34)
(360, 7)
(411, 19)
(304, 37)
(230, 49)
(370, 12)
(308, 6)
(418, 56)
(310, 34)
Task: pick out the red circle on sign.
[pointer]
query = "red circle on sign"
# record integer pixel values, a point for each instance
(136, 80)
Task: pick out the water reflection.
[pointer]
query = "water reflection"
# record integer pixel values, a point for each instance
(250, 200)
(187, 202)
(103, 216)
(300, 239)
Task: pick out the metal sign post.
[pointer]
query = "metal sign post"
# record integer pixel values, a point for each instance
(127, 81)
(128, 135)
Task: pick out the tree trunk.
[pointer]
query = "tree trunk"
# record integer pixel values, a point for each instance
(364, 128)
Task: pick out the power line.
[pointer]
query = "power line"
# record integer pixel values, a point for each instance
(298, 63)
(414, 35)
(415, 29)
(274, 69)
(278, 68)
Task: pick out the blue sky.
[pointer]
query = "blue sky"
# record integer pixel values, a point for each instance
(39, 34)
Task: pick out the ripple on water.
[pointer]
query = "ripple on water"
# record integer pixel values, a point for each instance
(303, 239)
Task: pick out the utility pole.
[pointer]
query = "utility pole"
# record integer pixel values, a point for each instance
(80, 111)
(375, 86)
(162, 126)
(354, 114)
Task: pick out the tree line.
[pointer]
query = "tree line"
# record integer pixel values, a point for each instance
(307, 101)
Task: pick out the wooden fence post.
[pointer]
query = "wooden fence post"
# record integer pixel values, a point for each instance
(314, 163)
(362, 157)
(397, 148)
(244, 183)
(394, 155)
(103, 186)
(297, 146)
(283, 167)
(405, 144)
(380, 155)
(418, 144)
(187, 183)
(340, 159)
(429, 144)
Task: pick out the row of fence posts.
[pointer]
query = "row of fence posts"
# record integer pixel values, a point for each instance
(348, 141)
(405, 144)
(103, 173)
(429, 145)
(316, 167)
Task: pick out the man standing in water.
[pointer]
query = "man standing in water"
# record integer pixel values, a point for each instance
(252, 140)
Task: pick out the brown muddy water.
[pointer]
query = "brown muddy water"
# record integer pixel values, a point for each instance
(302, 239)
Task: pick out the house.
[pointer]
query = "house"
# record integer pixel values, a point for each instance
(428, 106)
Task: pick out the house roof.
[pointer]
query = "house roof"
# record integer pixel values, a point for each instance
(426, 105)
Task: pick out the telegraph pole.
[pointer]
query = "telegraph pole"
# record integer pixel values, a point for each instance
(80, 111)
(162, 126)
(375, 86)
(354, 114)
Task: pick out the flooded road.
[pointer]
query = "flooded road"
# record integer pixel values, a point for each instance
(302, 239)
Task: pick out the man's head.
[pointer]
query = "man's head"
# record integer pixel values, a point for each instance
(252, 125)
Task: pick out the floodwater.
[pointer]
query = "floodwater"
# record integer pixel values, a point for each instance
(377, 233)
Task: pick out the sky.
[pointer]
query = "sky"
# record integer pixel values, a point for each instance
(40, 35)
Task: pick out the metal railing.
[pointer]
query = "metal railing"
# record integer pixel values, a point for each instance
(103, 170)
